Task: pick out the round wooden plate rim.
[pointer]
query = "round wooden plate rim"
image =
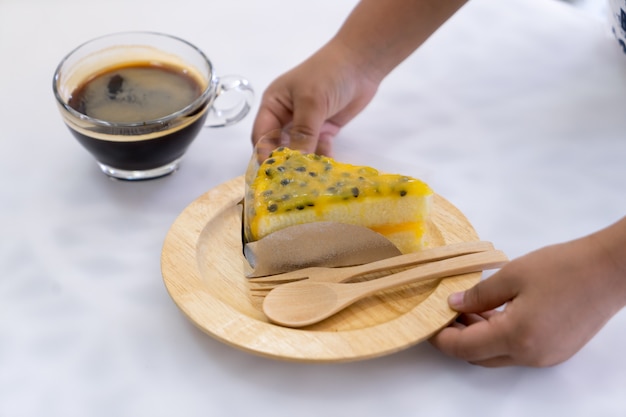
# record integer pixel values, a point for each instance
(229, 325)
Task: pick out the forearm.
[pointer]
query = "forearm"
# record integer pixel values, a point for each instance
(611, 245)
(380, 34)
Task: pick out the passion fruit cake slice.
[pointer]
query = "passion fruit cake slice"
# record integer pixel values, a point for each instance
(292, 188)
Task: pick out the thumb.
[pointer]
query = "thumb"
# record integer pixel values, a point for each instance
(487, 295)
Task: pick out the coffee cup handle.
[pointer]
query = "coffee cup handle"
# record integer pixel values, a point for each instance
(243, 93)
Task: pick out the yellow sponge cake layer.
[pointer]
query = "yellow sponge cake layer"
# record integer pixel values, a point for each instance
(294, 188)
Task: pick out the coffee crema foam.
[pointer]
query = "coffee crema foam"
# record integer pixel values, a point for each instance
(136, 93)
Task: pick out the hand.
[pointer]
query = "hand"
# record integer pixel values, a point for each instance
(317, 98)
(555, 300)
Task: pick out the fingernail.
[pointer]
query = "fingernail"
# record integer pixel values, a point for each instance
(456, 299)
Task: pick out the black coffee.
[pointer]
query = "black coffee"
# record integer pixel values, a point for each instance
(138, 93)
(135, 93)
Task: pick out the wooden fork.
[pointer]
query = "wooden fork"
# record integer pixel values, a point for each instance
(261, 285)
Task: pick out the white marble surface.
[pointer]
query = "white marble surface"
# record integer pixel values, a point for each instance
(594, 8)
(514, 111)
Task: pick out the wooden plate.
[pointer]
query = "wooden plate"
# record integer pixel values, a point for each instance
(203, 269)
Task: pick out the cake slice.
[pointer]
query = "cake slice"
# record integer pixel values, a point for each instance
(292, 188)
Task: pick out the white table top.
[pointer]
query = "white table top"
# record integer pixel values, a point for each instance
(513, 111)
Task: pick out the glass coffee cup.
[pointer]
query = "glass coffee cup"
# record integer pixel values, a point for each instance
(137, 100)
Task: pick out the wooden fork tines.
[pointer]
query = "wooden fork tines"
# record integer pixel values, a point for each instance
(262, 285)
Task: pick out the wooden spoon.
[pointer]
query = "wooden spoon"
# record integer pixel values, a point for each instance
(302, 303)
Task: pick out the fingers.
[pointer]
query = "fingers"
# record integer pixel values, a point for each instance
(470, 318)
(496, 362)
(307, 127)
(324, 144)
(308, 117)
(487, 295)
(479, 336)
(266, 121)
(479, 342)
